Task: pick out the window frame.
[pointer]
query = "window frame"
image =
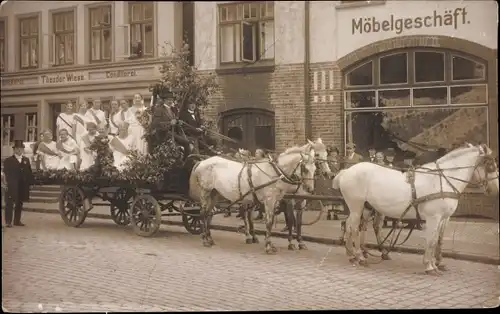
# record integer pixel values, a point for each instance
(4, 40)
(142, 24)
(29, 127)
(256, 22)
(10, 128)
(357, 67)
(30, 36)
(63, 34)
(101, 29)
(379, 60)
(475, 60)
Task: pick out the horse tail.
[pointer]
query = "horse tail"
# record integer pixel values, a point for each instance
(336, 180)
(194, 183)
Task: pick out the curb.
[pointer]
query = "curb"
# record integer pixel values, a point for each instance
(400, 249)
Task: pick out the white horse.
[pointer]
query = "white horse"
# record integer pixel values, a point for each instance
(430, 192)
(265, 182)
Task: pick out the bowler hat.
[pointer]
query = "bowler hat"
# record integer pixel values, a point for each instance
(18, 144)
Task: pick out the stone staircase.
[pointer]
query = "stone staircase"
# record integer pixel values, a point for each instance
(45, 194)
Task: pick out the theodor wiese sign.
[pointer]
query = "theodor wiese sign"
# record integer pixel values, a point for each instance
(62, 78)
(450, 18)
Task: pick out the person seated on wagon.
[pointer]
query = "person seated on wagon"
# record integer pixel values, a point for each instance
(65, 119)
(259, 154)
(351, 157)
(87, 156)
(95, 114)
(48, 152)
(69, 151)
(115, 117)
(121, 145)
(194, 130)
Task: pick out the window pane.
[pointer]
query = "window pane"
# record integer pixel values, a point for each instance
(25, 53)
(135, 38)
(69, 48)
(360, 99)
(68, 21)
(469, 95)
(34, 26)
(136, 12)
(246, 11)
(393, 69)
(267, 40)
(237, 42)
(248, 41)
(227, 43)
(254, 10)
(148, 11)
(362, 75)
(96, 45)
(95, 17)
(223, 13)
(59, 49)
(429, 66)
(148, 39)
(430, 96)
(106, 15)
(466, 69)
(25, 27)
(270, 8)
(59, 23)
(106, 45)
(231, 13)
(394, 98)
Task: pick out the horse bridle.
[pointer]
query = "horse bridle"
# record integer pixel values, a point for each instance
(292, 179)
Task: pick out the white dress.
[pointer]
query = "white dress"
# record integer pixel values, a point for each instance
(65, 121)
(80, 128)
(96, 116)
(49, 154)
(87, 158)
(136, 129)
(119, 146)
(115, 120)
(69, 153)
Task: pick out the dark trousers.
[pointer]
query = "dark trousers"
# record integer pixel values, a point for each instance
(9, 208)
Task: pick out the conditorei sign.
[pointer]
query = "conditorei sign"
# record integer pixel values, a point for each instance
(450, 18)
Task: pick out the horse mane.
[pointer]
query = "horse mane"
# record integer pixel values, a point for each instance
(292, 150)
(454, 153)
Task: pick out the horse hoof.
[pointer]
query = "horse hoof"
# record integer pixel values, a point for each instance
(386, 257)
(270, 250)
(365, 254)
(211, 242)
(292, 247)
(207, 244)
(248, 241)
(363, 262)
(432, 272)
(352, 261)
(255, 240)
(442, 267)
(302, 246)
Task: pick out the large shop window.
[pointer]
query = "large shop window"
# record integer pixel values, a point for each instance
(100, 33)
(63, 38)
(29, 36)
(3, 49)
(435, 99)
(246, 32)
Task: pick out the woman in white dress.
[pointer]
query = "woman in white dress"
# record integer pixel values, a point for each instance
(135, 127)
(122, 145)
(95, 114)
(87, 156)
(80, 122)
(65, 119)
(48, 152)
(69, 151)
(115, 118)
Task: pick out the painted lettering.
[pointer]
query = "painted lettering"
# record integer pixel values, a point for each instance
(62, 78)
(449, 18)
(121, 73)
(12, 81)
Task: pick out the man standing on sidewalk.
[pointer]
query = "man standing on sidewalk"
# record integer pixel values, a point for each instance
(17, 169)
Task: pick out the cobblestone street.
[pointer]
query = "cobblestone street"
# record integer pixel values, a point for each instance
(103, 267)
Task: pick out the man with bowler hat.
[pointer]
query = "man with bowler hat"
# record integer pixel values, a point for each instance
(19, 177)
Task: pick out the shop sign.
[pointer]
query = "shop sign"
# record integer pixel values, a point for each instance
(62, 78)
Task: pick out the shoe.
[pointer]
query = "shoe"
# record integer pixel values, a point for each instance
(8, 225)
(19, 224)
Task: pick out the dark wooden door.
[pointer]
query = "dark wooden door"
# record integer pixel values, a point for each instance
(251, 128)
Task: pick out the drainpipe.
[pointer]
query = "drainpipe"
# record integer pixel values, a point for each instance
(307, 85)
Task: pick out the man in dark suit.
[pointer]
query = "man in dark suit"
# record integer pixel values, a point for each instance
(19, 177)
(194, 130)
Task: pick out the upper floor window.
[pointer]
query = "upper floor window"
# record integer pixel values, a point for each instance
(3, 50)
(141, 19)
(7, 129)
(100, 34)
(246, 32)
(64, 37)
(29, 36)
(31, 127)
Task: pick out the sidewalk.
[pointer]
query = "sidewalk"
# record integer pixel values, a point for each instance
(476, 240)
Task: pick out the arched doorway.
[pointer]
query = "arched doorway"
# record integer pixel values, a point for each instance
(252, 128)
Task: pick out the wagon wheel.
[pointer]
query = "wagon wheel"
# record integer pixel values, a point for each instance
(191, 219)
(145, 215)
(120, 205)
(71, 206)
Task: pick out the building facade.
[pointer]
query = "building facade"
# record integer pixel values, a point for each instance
(53, 52)
(367, 72)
